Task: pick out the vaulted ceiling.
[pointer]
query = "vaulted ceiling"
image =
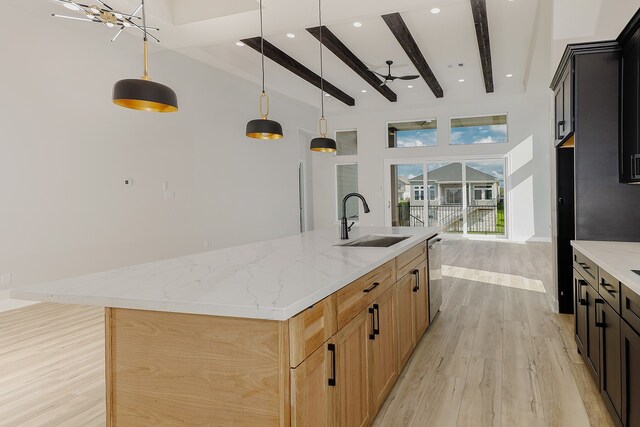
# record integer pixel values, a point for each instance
(448, 41)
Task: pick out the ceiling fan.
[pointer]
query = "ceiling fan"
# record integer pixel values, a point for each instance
(389, 78)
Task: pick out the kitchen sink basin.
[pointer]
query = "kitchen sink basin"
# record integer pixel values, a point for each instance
(376, 241)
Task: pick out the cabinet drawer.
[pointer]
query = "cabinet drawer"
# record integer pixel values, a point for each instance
(410, 259)
(631, 307)
(356, 296)
(587, 268)
(309, 329)
(609, 289)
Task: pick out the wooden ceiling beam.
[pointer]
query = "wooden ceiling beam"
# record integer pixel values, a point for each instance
(286, 61)
(335, 45)
(479, 10)
(399, 29)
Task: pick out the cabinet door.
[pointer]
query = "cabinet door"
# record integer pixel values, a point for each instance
(580, 310)
(353, 404)
(610, 372)
(591, 353)
(383, 349)
(312, 389)
(567, 103)
(629, 103)
(630, 350)
(405, 322)
(421, 299)
(559, 111)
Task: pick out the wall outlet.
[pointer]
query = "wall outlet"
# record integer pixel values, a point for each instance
(128, 182)
(5, 279)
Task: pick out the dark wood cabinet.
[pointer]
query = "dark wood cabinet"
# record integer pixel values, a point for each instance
(610, 371)
(629, 166)
(580, 310)
(564, 106)
(630, 350)
(591, 353)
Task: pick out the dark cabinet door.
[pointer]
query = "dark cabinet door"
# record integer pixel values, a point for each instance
(567, 125)
(630, 350)
(559, 111)
(610, 370)
(591, 353)
(580, 310)
(629, 122)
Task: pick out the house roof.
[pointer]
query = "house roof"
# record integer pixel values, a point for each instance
(403, 179)
(453, 172)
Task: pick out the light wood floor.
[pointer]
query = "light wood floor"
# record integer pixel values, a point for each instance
(496, 355)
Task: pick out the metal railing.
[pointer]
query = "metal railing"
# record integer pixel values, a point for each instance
(481, 219)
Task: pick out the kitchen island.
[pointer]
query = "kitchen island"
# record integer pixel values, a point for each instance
(294, 330)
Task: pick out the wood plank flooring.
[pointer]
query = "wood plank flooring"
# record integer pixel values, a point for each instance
(496, 355)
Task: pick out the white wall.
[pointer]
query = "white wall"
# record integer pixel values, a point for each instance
(527, 149)
(65, 151)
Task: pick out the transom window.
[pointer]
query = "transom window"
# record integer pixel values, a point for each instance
(418, 133)
(479, 130)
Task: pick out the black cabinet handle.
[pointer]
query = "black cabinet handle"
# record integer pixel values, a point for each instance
(608, 287)
(376, 331)
(372, 287)
(332, 379)
(582, 283)
(599, 323)
(416, 273)
(584, 265)
(372, 335)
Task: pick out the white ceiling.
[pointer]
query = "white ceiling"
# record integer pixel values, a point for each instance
(208, 30)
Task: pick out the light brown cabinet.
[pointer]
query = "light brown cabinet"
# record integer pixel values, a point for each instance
(353, 405)
(311, 392)
(383, 349)
(405, 322)
(421, 299)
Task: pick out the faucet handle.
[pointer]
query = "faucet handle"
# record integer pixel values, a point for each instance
(349, 228)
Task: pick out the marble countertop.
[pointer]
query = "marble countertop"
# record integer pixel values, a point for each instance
(273, 279)
(617, 258)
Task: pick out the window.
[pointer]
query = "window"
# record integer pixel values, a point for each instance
(347, 142)
(347, 182)
(432, 192)
(479, 130)
(418, 193)
(419, 133)
(454, 196)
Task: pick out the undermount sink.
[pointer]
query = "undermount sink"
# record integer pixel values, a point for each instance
(376, 241)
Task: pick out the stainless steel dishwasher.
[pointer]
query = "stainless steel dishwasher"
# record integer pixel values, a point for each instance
(435, 276)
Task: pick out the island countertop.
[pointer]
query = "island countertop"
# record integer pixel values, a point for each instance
(274, 279)
(616, 258)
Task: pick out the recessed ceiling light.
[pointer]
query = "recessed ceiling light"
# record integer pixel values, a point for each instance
(435, 10)
(326, 94)
(460, 80)
(239, 44)
(357, 24)
(410, 86)
(363, 91)
(291, 35)
(509, 75)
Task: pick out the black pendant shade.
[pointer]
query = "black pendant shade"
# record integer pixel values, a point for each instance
(145, 95)
(323, 144)
(264, 129)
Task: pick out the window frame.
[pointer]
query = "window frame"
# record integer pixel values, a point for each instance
(335, 189)
(473, 117)
(386, 132)
(335, 138)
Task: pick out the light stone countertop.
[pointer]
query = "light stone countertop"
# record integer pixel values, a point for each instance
(273, 279)
(616, 258)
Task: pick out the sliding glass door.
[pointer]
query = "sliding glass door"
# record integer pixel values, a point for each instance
(460, 196)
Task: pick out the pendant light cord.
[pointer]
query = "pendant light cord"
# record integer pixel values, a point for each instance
(321, 70)
(262, 46)
(146, 43)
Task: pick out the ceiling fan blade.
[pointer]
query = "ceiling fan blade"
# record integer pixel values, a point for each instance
(412, 77)
(377, 73)
(384, 83)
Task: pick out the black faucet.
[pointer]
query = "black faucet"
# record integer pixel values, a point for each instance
(344, 233)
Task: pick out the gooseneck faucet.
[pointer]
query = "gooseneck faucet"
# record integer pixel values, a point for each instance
(344, 233)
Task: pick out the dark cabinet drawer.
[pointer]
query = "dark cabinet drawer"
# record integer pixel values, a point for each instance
(609, 289)
(587, 268)
(630, 309)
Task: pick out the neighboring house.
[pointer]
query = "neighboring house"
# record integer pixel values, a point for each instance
(404, 188)
(444, 187)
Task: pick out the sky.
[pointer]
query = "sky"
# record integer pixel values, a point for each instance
(489, 134)
(417, 138)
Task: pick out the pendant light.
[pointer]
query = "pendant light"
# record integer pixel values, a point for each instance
(322, 143)
(144, 94)
(263, 128)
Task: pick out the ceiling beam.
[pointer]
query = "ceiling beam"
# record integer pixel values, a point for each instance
(281, 58)
(339, 49)
(399, 29)
(479, 10)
